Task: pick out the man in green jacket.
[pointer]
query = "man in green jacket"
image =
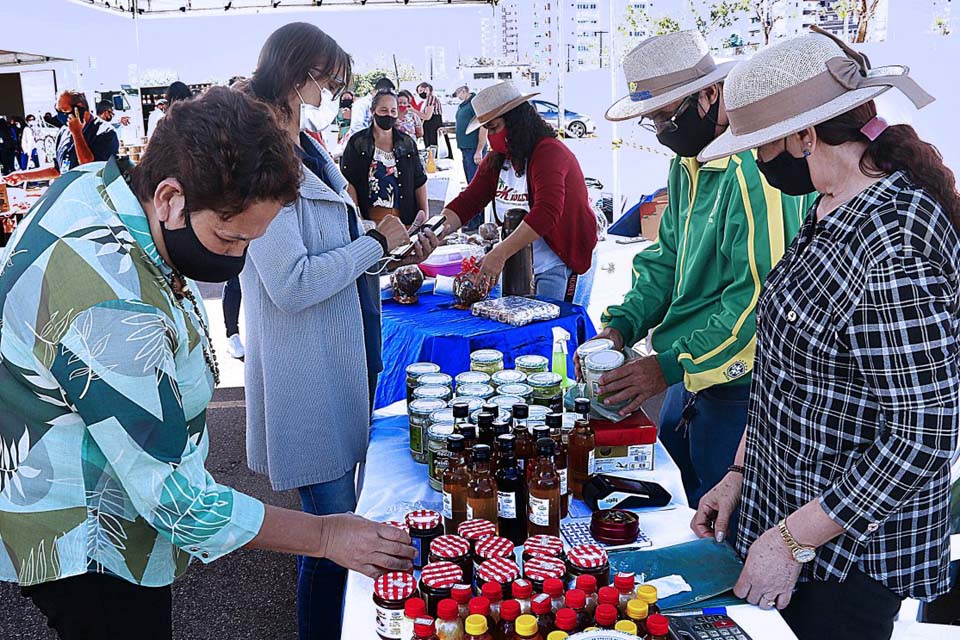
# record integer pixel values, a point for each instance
(697, 286)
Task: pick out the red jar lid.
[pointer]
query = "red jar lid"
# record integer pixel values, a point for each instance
(499, 570)
(608, 595)
(461, 593)
(397, 524)
(477, 529)
(625, 581)
(606, 615)
(553, 586)
(658, 625)
(615, 526)
(542, 569)
(450, 546)
(541, 604)
(395, 586)
(423, 520)
(566, 619)
(587, 556)
(415, 608)
(494, 547)
(423, 627)
(575, 599)
(441, 575)
(544, 545)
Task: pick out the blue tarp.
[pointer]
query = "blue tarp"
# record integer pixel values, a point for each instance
(628, 225)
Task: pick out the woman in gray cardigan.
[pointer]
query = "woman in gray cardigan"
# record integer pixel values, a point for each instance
(312, 314)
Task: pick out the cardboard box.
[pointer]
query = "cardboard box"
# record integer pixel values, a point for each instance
(626, 445)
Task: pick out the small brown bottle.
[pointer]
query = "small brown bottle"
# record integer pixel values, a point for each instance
(500, 428)
(485, 428)
(525, 445)
(511, 493)
(543, 503)
(582, 445)
(455, 479)
(555, 423)
(482, 487)
(469, 433)
(461, 415)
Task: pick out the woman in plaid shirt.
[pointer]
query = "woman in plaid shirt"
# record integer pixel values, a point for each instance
(842, 479)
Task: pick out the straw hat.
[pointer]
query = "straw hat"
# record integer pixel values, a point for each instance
(664, 69)
(799, 83)
(495, 101)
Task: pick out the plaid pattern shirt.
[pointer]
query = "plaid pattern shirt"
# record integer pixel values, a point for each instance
(855, 390)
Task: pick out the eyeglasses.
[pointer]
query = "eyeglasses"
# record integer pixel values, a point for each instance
(670, 124)
(336, 86)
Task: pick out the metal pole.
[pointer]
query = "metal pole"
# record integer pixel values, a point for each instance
(561, 112)
(614, 141)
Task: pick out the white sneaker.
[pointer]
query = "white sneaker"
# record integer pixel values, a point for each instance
(235, 347)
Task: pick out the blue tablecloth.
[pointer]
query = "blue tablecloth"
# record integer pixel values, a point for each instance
(433, 331)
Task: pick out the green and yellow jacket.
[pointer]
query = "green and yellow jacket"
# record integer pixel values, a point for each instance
(697, 286)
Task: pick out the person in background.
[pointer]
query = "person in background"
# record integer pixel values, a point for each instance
(407, 119)
(310, 400)
(51, 120)
(156, 116)
(697, 286)
(105, 110)
(8, 148)
(105, 380)
(431, 112)
(85, 138)
(529, 168)
(344, 115)
(176, 92)
(843, 477)
(383, 168)
(472, 145)
(362, 113)
(30, 145)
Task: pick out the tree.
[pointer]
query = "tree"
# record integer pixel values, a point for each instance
(763, 11)
(720, 15)
(866, 9)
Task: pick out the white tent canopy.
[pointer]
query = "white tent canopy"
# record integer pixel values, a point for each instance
(173, 7)
(17, 58)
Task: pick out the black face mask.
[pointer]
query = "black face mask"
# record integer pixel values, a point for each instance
(423, 95)
(194, 260)
(693, 132)
(385, 122)
(346, 103)
(788, 174)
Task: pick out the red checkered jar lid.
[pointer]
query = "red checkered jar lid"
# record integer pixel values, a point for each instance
(500, 570)
(494, 547)
(550, 546)
(477, 529)
(397, 524)
(395, 586)
(587, 556)
(423, 520)
(541, 568)
(450, 547)
(441, 575)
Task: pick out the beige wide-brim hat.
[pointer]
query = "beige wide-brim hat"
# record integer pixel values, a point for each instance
(797, 84)
(664, 69)
(494, 101)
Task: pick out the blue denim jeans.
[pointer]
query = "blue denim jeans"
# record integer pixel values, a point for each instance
(552, 284)
(321, 583)
(704, 444)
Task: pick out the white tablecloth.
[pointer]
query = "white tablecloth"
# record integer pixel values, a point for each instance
(395, 484)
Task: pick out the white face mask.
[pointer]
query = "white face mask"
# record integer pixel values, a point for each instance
(317, 118)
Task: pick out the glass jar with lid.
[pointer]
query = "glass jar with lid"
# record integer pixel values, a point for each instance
(437, 455)
(472, 377)
(506, 403)
(540, 569)
(543, 546)
(502, 571)
(414, 371)
(481, 391)
(594, 367)
(531, 364)
(436, 581)
(419, 415)
(453, 548)
(425, 526)
(508, 376)
(547, 390)
(433, 391)
(594, 346)
(488, 361)
(537, 415)
(589, 559)
(390, 593)
(441, 416)
(438, 378)
(475, 530)
(518, 390)
(490, 548)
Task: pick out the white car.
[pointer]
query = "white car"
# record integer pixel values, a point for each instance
(577, 125)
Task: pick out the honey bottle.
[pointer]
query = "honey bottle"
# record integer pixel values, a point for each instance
(543, 492)
(455, 479)
(555, 423)
(482, 487)
(461, 416)
(581, 448)
(525, 445)
(469, 433)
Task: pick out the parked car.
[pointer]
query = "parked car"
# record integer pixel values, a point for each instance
(577, 125)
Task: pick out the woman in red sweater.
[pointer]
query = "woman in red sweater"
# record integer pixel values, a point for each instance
(530, 168)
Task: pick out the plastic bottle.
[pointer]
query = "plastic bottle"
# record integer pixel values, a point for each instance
(424, 629)
(626, 626)
(542, 609)
(588, 584)
(509, 612)
(493, 593)
(606, 616)
(625, 584)
(525, 448)
(581, 447)
(511, 493)
(477, 629)
(648, 593)
(522, 592)
(561, 460)
(461, 594)
(449, 625)
(559, 361)
(527, 629)
(566, 620)
(608, 595)
(658, 627)
(577, 600)
(482, 488)
(637, 612)
(544, 493)
(554, 588)
(480, 606)
(431, 161)
(412, 609)
(558, 635)
(455, 479)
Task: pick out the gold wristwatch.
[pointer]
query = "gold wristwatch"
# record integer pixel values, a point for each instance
(800, 553)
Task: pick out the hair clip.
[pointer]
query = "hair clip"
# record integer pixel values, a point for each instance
(874, 127)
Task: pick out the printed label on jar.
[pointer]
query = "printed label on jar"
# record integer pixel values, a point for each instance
(507, 505)
(469, 511)
(591, 462)
(540, 511)
(416, 436)
(563, 481)
(447, 505)
(389, 623)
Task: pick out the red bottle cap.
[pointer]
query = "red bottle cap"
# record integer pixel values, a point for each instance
(541, 604)
(576, 599)
(461, 593)
(553, 586)
(566, 620)
(522, 589)
(658, 625)
(608, 595)
(510, 610)
(622, 581)
(415, 608)
(587, 584)
(492, 591)
(479, 606)
(448, 609)
(423, 627)
(606, 615)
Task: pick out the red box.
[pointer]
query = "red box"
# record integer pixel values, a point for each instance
(636, 429)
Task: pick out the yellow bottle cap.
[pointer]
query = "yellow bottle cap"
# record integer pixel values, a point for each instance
(626, 626)
(592, 629)
(557, 635)
(476, 625)
(647, 593)
(637, 609)
(526, 625)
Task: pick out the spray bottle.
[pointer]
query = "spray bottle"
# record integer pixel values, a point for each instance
(560, 350)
